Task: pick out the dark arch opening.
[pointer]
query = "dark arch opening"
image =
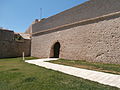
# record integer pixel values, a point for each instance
(56, 50)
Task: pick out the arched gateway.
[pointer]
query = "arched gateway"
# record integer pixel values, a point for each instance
(55, 50)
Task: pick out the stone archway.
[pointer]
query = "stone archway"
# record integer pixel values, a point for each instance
(55, 50)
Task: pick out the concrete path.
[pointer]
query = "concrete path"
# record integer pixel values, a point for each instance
(100, 77)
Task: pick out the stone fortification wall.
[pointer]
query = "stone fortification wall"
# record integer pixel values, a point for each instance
(6, 35)
(11, 48)
(87, 10)
(98, 41)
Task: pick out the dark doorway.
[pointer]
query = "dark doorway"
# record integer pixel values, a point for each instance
(56, 50)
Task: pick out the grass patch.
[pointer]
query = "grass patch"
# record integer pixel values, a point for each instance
(109, 68)
(18, 75)
(14, 69)
(30, 79)
(19, 58)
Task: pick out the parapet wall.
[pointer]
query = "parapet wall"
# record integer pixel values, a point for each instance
(11, 48)
(6, 35)
(79, 23)
(87, 10)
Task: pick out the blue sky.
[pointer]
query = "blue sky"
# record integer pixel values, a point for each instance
(17, 15)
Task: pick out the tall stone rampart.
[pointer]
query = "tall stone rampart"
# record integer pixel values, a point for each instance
(96, 40)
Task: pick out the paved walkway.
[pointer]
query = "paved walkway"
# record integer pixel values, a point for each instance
(100, 77)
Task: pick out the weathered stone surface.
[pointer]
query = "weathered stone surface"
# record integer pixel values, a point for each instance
(11, 48)
(6, 35)
(96, 42)
(14, 49)
(87, 10)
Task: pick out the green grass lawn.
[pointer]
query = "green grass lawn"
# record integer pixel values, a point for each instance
(15, 74)
(109, 68)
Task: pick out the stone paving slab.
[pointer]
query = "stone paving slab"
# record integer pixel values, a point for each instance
(100, 77)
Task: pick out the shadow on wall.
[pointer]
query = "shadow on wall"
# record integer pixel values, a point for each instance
(55, 50)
